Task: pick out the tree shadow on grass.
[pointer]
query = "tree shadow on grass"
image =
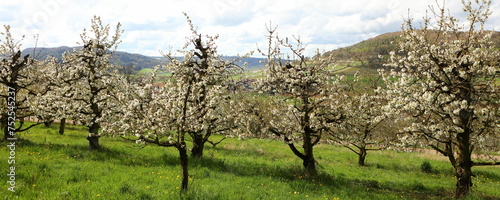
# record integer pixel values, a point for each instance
(104, 154)
(210, 168)
(295, 177)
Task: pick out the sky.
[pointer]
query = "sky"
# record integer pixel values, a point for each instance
(153, 26)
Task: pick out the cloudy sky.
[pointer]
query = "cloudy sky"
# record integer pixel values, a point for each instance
(150, 26)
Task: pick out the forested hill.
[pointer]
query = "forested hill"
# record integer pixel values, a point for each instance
(369, 50)
(138, 61)
(364, 50)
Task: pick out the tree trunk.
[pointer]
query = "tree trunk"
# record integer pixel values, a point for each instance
(184, 164)
(94, 136)
(307, 157)
(6, 134)
(4, 119)
(62, 126)
(47, 123)
(198, 145)
(362, 156)
(3, 122)
(310, 164)
(93, 142)
(308, 160)
(463, 165)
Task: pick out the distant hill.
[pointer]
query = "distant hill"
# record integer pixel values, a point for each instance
(138, 61)
(364, 50)
(119, 57)
(369, 50)
(252, 63)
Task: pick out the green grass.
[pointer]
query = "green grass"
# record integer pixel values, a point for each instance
(145, 71)
(52, 166)
(148, 71)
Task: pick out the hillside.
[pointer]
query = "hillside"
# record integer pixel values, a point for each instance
(120, 58)
(252, 63)
(364, 50)
(369, 50)
(138, 61)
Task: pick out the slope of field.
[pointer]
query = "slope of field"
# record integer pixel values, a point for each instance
(53, 166)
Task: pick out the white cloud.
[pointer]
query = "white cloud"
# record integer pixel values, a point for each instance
(155, 25)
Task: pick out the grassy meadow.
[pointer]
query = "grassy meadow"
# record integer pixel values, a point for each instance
(149, 71)
(53, 166)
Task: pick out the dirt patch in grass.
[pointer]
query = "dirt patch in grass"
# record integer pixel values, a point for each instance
(434, 155)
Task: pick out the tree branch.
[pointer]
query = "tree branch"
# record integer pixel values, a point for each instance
(485, 163)
(439, 150)
(288, 141)
(216, 143)
(25, 129)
